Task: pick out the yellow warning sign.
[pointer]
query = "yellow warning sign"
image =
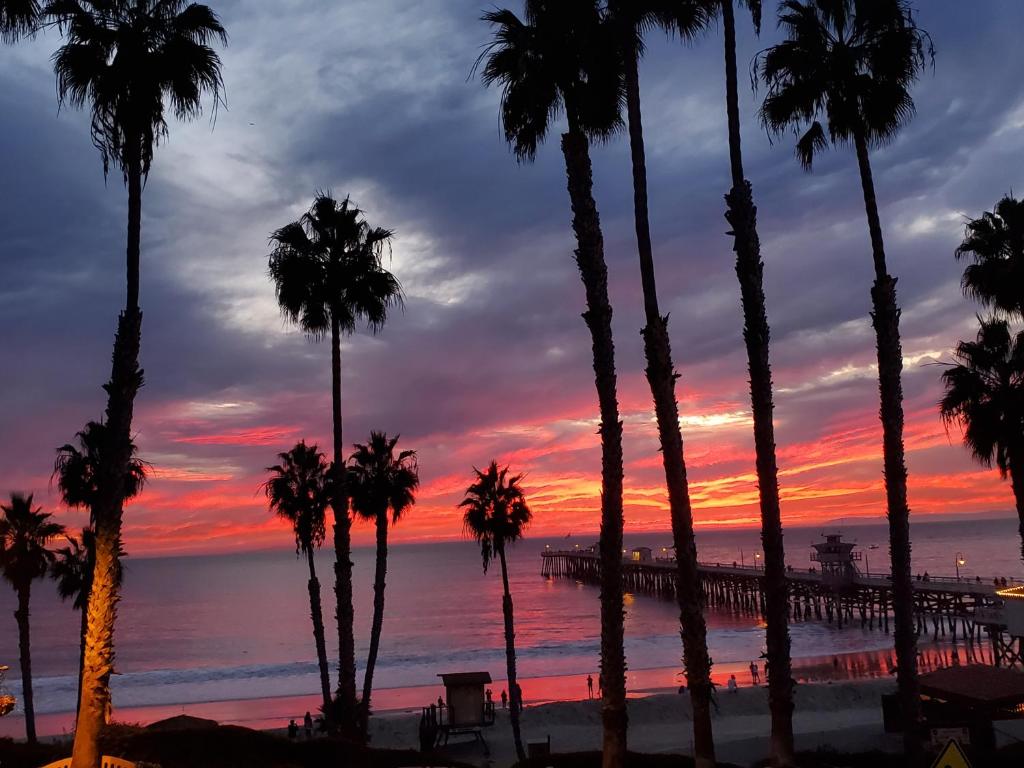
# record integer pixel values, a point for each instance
(952, 756)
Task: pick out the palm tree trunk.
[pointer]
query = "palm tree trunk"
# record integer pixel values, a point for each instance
(125, 380)
(25, 656)
(317, 615)
(342, 552)
(1017, 482)
(81, 655)
(380, 573)
(661, 376)
(742, 216)
(886, 319)
(515, 699)
(598, 317)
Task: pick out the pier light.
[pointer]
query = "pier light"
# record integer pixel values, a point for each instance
(959, 562)
(757, 560)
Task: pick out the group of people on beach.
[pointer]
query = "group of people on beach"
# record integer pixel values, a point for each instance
(307, 727)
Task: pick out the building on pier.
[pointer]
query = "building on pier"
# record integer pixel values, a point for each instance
(837, 560)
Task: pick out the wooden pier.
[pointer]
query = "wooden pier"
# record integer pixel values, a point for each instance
(944, 607)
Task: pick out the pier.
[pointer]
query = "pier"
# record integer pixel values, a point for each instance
(954, 608)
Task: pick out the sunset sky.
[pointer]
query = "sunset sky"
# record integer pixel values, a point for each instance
(490, 358)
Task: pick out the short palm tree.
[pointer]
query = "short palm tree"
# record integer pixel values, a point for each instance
(854, 62)
(24, 534)
(72, 570)
(382, 484)
(995, 245)
(741, 213)
(328, 272)
(17, 19)
(555, 60)
(298, 491)
(631, 18)
(126, 60)
(495, 514)
(984, 394)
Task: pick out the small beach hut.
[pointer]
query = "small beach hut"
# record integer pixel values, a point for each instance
(468, 709)
(641, 554)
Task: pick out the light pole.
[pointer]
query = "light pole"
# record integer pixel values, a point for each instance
(757, 560)
(959, 561)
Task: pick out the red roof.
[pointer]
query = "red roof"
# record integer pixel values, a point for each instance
(975, 684)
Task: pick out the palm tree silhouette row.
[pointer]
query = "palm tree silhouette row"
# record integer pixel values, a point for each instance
(984, 394)
(495, 514)
(380, 481)
(554, 61)
(854, 62)
(994, 243)
(328, 275)
(24, 534)
(126, 59)
(299, 491)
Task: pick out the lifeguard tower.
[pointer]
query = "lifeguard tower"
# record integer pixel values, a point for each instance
(7, 701)
(465, 709)
(837, 560)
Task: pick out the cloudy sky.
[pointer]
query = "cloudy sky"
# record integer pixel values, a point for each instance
(490, 358)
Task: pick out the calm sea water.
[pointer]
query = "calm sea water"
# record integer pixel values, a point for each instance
(215, 628)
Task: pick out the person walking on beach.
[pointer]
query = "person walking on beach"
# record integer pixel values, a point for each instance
(590, 687)
(293, 729)
(504, 699)
(731, 685)
(755, 677)
(307, 723)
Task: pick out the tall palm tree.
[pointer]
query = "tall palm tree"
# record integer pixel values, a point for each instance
(298, 491)
(380, 481)
(552, 61)
(77, 473)
(495, 515)
(17, 19)
(631, 18)
(24, 534)
(741, 213)
(984, 394)
(328, 273)
(126, 59)
(995, 244)
(853, 63)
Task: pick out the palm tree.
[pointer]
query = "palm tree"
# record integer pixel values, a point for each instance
(328, 273)
(995, 245)
(24, 534)
(496, 514)
(741, 213)
(17, 19)
(631, 19)
(298, 491)
(555, 60)
(126, 59)
(77, 472)
(984, 394)
(854, 63)
(380, 481)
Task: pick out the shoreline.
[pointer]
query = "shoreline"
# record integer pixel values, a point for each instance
(274, 712)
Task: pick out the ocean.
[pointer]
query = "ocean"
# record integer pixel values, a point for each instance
(236, 628)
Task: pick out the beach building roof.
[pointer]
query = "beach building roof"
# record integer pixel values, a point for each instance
(976, 685)
(456, 679)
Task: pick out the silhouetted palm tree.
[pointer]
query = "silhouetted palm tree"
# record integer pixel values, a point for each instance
(984, 393)
(328, 273)
(556, 60)
(380, 481)
(77, 472)
(24, 534)
(17, 19)
(995, 245)
(72, 570)
(854, 63)
(631, 18)
(298, 491)
(741, 213)
(495, 515)
(126, 60)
